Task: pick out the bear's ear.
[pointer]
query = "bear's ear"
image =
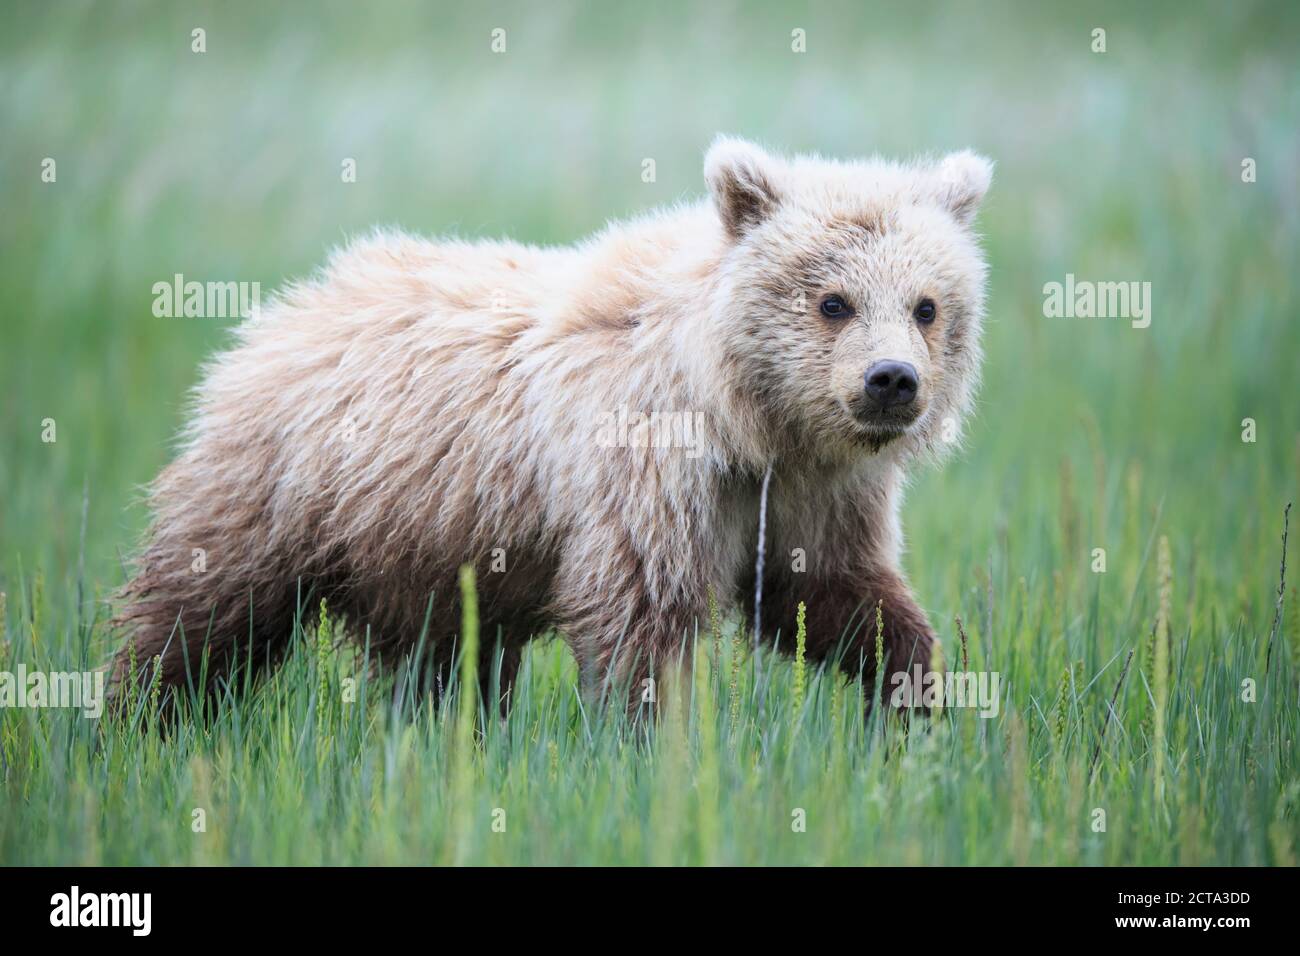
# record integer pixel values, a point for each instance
(741, 178)
(962, 180)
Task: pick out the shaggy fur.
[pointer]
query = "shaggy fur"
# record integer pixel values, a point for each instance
(421, 404)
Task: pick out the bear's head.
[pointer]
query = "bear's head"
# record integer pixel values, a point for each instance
(850, 297)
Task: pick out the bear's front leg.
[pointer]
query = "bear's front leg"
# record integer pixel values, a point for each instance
(841, 624)
(906, 638)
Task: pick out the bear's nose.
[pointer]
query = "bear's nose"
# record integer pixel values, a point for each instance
(891, 383)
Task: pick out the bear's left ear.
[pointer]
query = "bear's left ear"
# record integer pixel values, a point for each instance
(741, 178)
(962, 180)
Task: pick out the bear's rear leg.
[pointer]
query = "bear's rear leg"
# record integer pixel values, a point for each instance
(431, 671)
(200, 637)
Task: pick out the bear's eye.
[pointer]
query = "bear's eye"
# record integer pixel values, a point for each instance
(924, 311)
(833, 307)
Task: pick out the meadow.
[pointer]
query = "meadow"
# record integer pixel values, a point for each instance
(1117, 510)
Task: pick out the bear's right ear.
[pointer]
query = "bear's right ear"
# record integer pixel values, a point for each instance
(741, 179)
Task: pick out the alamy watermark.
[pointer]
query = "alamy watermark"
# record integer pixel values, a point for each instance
(1084, 299)
(132, 911)
(632, 429)
(971, 689)
(66, 689)
(191, 299)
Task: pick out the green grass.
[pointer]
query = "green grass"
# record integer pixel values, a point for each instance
(1090, 434)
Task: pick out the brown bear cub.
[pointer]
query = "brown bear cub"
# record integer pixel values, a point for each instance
(589, 427)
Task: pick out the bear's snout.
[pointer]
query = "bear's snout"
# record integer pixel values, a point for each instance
(891, 384)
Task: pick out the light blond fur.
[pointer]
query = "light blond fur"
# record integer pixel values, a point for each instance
(424, 404)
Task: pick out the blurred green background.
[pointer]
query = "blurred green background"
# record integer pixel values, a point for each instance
(226, 165)
(1115, 166)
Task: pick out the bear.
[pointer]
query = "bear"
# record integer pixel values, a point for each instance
(591, 427)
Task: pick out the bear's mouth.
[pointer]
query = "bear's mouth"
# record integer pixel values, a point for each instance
(874, 427)
(883, 423)
(877, 435)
